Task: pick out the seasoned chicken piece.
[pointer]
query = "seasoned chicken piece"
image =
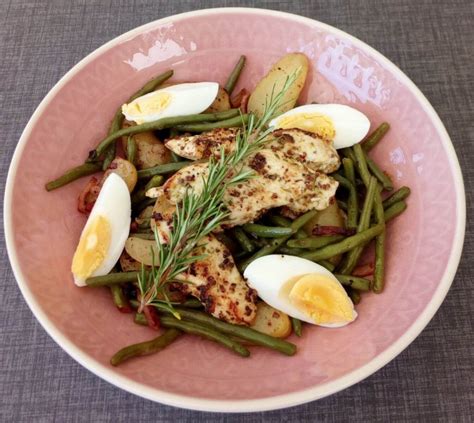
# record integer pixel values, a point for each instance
(217, 283)
(295, 144)
(305, 147)
(202, 146)
(214, 279)
(278, 182)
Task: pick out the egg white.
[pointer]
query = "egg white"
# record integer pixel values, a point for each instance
(268, 274)
(186, 99)
(114, 204)
(351, 126)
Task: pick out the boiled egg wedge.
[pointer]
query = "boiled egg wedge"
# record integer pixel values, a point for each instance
(175, 100)
(341, 124)
(103, 237)
(302, 289)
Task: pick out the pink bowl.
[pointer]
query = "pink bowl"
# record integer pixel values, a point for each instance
(424, 244)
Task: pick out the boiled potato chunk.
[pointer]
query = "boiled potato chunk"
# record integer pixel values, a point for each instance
(150, 150)
(221, 102)
(271, 321)
(330, 216)
(142, 250)
(128, 264)
(125, 170)
(274, 81)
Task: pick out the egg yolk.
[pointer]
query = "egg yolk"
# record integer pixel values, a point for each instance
(151, 105)
(319, 124)
(92, 248)
(321, 298)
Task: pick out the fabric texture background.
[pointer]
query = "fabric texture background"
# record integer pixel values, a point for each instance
(431, 41)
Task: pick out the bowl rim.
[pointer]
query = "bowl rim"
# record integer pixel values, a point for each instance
(261, 404)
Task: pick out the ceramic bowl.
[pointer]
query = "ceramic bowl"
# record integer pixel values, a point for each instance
(424, 244)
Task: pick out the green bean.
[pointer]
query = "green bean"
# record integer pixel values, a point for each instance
(109, 156)
(355, 282)
(349, 171)
(267, 231)
(144, 204)
(192, 303)
(73, 174)
(379, 271)
(353, 203)
(314, 242)
(131, 150)
(242, 332)
(145, 348)
(398, 195)
(140, 319)
(160, 124)
(373, 139)
(140, 195)
(234, 75)
(342, 205)
(327, 265)
(290, 251)
(119, 298)
(379, 174)
(112, 279)
(347, 244)
(152, 85)
(395, 210)
(162, 169)
(243, 240)
(351, 259)
(297, 326)
(280, 220)
(207, 126)
(278, 242)
(361, 164)
(349, 153)
(355, 296)
(205, 332)
(175, 158)
(286, 223)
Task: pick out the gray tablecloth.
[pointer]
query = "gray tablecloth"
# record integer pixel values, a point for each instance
(432, 41)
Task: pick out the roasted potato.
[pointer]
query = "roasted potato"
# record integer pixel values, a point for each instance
(141, 250)
(331, 216)
(221, 102)
(271, 321)
(125, 170)
(274, 80)
(128, 264)
(150, 150)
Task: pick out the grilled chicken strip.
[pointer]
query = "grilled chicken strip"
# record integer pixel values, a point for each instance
(295, 144)
(278, 182)
(214, 279)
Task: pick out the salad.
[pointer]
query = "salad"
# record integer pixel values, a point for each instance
(235, 217)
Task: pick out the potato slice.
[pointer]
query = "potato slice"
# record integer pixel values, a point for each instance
(330, 216)
(125, 170)
(274, 80)
(271, 321)
(150, 150)
(221, 102)
(128, 264)
(141, 250)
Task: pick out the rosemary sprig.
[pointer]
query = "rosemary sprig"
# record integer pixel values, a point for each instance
(200, 214)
